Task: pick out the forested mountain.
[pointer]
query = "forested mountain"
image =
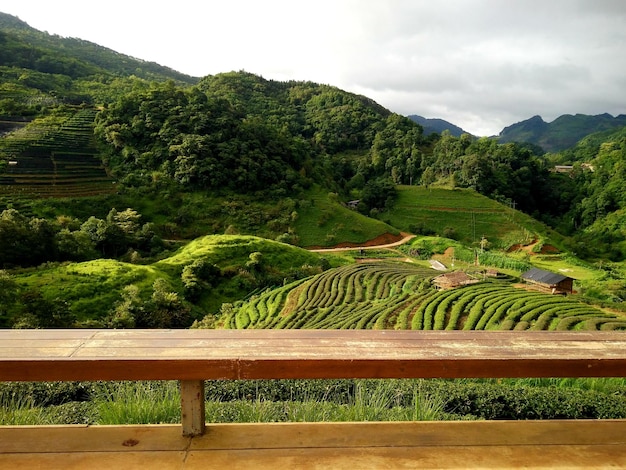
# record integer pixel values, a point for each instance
(598, 179)
(239, 134)
(110, 163)
(24, 47)
(562, 133)
(436, 126)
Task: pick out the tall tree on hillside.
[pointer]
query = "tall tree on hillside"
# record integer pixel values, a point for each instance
(395, 150)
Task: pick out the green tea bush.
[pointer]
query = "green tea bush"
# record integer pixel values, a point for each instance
(501, 401)
(48, 393)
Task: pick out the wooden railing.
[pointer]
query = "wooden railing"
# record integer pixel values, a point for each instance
(192, 356)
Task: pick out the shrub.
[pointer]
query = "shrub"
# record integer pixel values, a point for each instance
(450, 232)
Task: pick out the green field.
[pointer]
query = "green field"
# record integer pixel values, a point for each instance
(323, 221)
(93, 288)
(53, 157)
(470, 215)
(394, 295)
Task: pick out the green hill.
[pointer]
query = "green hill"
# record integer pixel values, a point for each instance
(323, 221)
(208, 272)
(562, 133)
(24, 47)
(466, 216)
(106, 156)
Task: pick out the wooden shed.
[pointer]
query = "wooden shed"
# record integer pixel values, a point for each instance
(453, 279)
(548, 281)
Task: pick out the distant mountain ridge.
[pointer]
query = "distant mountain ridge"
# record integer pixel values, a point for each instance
(562, 133)
(436, 126)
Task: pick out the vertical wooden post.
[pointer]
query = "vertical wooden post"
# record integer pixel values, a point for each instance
(192, 407)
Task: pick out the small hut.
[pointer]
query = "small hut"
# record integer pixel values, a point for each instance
(452, 280)
(494, 273)
(548, 281)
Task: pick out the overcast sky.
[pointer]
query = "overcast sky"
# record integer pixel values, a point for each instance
(480, 64)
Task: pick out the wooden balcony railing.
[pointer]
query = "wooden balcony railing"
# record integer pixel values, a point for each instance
(192, 356)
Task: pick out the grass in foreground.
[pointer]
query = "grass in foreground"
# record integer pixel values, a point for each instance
(318, 400)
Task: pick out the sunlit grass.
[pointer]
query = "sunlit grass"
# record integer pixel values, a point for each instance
(139, 403)
(323, 221)
(20, 411)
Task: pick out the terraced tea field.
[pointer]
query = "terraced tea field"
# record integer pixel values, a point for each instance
(392, 295)
(469, 215)
(46, 160)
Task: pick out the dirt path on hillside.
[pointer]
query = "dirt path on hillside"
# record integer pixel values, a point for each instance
(380, 242)
(545, 249)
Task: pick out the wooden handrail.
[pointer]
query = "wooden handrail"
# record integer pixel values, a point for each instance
(192, 356)
(65, 355)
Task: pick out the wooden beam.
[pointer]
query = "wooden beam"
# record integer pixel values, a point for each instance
(59, 355)
(575, 444)
(192, 407)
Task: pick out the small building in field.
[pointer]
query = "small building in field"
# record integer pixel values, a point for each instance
(453, 279)
(494, 273)
(548, 281)
(563, 168)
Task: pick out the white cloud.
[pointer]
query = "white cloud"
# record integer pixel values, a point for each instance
(481, 64)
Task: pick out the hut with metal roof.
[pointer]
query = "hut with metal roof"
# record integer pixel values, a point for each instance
(452, 280)
(548, 281)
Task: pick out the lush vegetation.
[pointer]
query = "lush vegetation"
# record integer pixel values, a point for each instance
(135, 196)
(171, 292)
(26, 48)
(313, 400)
(392, 295)
(237, 154)
(562, 133)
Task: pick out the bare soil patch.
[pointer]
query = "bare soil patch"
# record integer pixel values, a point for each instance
(384, 239)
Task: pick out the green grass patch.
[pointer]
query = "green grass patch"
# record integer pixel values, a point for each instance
(119, 403)
(324, 221)
(463, 213)
(139, 403)
(92, 288)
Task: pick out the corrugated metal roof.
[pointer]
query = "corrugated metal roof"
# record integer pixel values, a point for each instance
(545, 277)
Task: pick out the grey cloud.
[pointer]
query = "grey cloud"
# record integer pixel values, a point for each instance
(489, 63)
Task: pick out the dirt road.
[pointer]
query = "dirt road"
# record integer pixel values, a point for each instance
(404, 239)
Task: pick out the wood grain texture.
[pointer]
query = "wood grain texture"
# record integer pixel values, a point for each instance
(39, 355)
(450, 445)
(194, 355)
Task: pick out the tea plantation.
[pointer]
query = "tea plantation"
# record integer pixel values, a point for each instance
(394, 295)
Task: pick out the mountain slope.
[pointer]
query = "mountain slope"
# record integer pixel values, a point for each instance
(436, 126)
(562, 133)
(25, 47)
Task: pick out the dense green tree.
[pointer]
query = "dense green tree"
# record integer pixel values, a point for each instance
(9, 291)
(14, 239)
(126, 311)
(396, 151)
(378, 194)
(35, 311)
(74, 245)
(197, 277)
(164, 309)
